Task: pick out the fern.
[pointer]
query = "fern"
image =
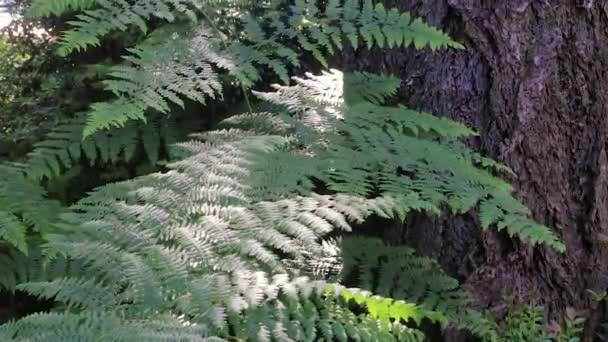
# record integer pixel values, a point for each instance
(367, 87)
(26, 218)
(119, 15)
(190, 241)
(63, 147)
(45, 8)
(161, 240)
(396, 272)
(323, 31)
(292, 310)
(185, 61)
(37, 266)
(411, 156)
(307, 23)
(524, 324)
(160, 71)
(215, 247)
(23, 207)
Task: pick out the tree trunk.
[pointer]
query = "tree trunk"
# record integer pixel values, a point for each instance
(533, 81)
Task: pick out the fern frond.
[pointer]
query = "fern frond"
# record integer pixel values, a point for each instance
(114, 15)
(396, 272)
(12, 230)
(193, 241)
(36, 266)
(212, 248)
(164, 72)
(410, 156)
(24, 208)
(46, 8)
(297, 309)
(161, 72)
(322, 31)
(63, 147)
(72, 291)
(361, 87)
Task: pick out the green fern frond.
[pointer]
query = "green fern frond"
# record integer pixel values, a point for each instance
(168, 70)
(114, 15)
(116, 113)
(160, 73)
(297, 309)
(63, 147)
(264, 122)
(25, 209)
(396, 272)
(101, 326)
(202, 241)
(165, 242)
(35, 266)
(323, 31)
(212, 248)
(411, 156)
(12, 230)
(362, 87)
(45, 8)
(63, 326)
(72, 291)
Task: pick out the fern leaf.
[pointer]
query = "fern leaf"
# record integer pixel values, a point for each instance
(75, 292)
(13, 231)
(405, 152)
(45, 8)
(160, 75)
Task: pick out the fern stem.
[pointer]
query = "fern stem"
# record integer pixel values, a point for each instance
(247, 99)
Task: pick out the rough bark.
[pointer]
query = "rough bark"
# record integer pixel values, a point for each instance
(533, 81)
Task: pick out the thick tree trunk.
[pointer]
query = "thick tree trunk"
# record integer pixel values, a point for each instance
(533, 81)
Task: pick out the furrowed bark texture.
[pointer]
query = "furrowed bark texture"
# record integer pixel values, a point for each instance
(533, 81)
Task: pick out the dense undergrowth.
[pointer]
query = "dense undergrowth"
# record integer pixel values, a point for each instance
(196, 183)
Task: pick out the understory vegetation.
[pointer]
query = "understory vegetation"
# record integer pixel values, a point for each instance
(198, 170)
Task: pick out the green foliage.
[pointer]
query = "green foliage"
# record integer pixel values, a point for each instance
(162, 241)
(36, 266)
(322, 31)
(64, 147)
(396, 272)
(291, 310)
(43, 8)
(35, 84)
(573, 327)
(23, 207)
(525, 324)
(312, 27)
(27, 217)
(190, 242)
(363, 148)
(161, 71)
(215, 247)
(369, 88)
(22, 81)
(10, 60)
(119, 15)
